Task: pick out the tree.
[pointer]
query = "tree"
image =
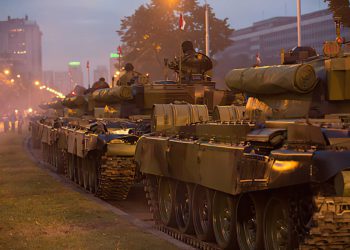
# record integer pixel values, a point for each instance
(340, 8)
(152, 33)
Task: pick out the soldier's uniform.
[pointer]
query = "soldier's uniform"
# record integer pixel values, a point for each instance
(128, 78)
(99, 85)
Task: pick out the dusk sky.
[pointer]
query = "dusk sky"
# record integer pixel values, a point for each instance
(85, 29)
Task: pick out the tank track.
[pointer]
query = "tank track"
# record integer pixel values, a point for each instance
(330, 224)
(151, 190)
(116, 175)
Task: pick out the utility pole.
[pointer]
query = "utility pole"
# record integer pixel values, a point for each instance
(299, 22)
(88, 72)
(207, 51)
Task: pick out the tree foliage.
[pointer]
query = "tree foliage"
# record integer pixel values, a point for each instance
(152, 33)
(340, 8)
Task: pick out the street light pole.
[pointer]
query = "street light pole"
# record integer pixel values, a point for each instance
(299, 22)
(206, 29)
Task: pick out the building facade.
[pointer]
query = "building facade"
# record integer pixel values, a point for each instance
(75, 74)
(62, 81)
(20, 46)
(268, 37)
(101, 71)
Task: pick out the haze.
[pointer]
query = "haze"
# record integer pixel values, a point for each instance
(85, 30)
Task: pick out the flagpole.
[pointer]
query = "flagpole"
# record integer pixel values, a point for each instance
(299, 22)
(206, 29)
(88, 72)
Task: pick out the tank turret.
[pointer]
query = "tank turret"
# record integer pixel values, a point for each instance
(313, 87)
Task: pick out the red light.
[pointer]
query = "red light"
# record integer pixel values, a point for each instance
(340, 40)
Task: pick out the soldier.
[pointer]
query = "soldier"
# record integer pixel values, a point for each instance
(129, 77)
(100, 84)
(13, 119)
(20, 123)
(192, 62)
(6, 123)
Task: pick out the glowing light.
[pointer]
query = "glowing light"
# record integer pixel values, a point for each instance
(30, 110)
(117, 72)
(6, 72)
(114, 55)
(18, 76)
(16, 111)
(74, 64)
(283, 166)
(12, 80)
(37, 83)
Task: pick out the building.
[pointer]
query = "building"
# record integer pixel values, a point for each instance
(20, 46)
(75, 74)
(101, 71)
(268, 37)
(62, 81)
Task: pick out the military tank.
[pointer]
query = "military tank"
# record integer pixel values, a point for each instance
(272, 175)
(98, 137)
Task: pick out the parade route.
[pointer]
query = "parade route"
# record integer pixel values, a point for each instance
(38, 212)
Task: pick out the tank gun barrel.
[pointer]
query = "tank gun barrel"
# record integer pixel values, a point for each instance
(113, 95)
(52, 105)
(75, 102)
(278, 79)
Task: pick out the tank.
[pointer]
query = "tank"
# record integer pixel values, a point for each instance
(99, 132)
(271, 175)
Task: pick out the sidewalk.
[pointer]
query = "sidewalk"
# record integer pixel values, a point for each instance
(37, 212)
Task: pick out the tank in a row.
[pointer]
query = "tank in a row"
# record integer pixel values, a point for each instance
(91, 138)
(273, 175)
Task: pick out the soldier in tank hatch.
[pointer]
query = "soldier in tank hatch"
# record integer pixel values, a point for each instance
(129, 77)
(100, 84)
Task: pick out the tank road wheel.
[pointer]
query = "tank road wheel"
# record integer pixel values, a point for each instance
(202, 213)
(249, 222)
(71, 164)
(183, 207)
(92, 168)
(85, 170)
(166, 200)
(80, 171)
(277, 225)
(76, 169)
(224, 209)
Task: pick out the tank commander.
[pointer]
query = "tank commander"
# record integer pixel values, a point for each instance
(192, 63)
(100, 84)
(129, 77)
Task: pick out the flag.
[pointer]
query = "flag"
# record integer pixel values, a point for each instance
(87, 64)
(119, 50)
(182, 22)
(258, 60)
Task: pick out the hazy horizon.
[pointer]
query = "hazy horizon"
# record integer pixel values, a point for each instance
(86, 30)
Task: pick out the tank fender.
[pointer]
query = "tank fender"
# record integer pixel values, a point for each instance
(289, 167)
(326, 164)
